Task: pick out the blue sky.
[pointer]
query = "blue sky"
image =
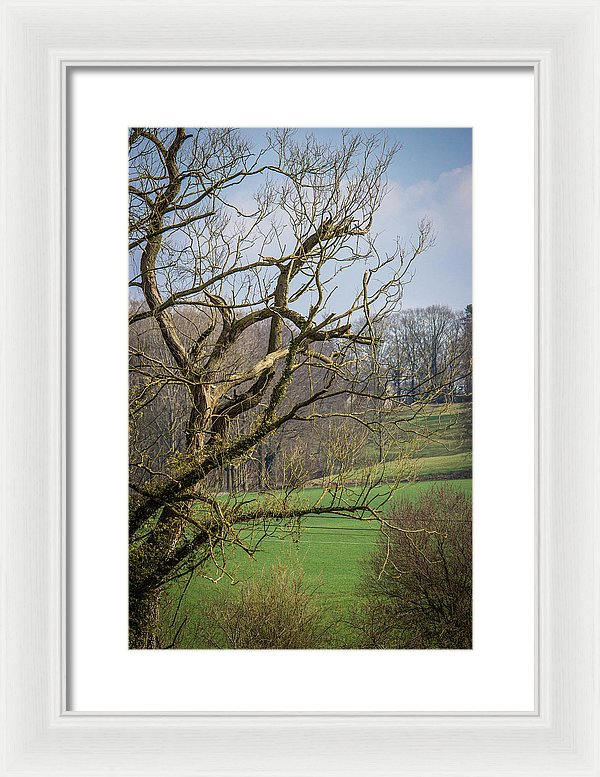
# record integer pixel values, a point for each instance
(431, 177)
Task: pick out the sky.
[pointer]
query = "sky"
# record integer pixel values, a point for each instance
(431, 177)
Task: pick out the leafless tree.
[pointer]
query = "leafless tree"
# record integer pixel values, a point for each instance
(428, 354)
(238, 334)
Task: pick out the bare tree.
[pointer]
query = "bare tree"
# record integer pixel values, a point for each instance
(428, 354)
(238, 333)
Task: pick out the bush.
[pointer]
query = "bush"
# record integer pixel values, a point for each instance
(274, 610)
(418, 586)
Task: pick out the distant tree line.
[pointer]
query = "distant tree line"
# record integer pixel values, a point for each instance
(427, 354)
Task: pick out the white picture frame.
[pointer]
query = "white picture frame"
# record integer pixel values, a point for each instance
(40, 41)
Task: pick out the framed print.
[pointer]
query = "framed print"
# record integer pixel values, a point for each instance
(517, 693)
(490, 107)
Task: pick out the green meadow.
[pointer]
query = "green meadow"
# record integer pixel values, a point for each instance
(332, 552)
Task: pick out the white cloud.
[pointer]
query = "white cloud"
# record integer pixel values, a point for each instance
(443, 273)
(446, 202)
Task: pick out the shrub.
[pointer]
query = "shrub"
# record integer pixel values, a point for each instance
(274, 610)
(418, 586)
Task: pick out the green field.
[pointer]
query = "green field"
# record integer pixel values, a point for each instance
(331, 550)
(435, 430)
(442, 467)
(437, 442)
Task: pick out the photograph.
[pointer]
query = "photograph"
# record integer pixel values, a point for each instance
(300, 388)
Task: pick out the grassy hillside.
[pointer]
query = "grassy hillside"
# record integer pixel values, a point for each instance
(443, 467)
(439, 440)
(440, 430)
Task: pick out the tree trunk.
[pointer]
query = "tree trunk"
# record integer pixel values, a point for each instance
(144, 609)
(146, 577)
